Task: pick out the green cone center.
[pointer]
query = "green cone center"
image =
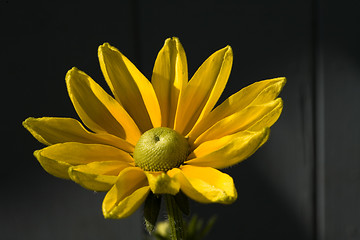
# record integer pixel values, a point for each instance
(160, 149)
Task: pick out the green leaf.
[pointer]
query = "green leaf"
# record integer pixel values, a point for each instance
(151, 211)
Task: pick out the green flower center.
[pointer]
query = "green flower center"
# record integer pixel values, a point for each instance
(160, 149)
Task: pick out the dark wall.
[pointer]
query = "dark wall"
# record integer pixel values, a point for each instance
(303, 184)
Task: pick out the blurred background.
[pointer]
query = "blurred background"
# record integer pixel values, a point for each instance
(304, 183)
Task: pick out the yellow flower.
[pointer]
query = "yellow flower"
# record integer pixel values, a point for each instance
(102, 158)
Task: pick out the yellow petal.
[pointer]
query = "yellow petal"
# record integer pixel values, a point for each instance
(243, 120)
(51, 130)
(98, 110)
(268, 119)
(97, 176)
(206, 184)
(255, 94)
(169, 78)
(161, 183)
(54, 167)
(231, 149)
(128, 193)
(56, 159)
(80, 153)
(130, 87)
(203, 90)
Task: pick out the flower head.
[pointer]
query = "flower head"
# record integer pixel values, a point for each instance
(162, 136)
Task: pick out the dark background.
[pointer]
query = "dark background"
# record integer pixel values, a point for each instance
(303, 184)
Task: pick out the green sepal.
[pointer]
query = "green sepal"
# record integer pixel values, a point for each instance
(151, 211)
(183, 203)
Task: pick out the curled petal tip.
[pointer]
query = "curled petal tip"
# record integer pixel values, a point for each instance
(176, 39)
(70, 72)
(105, 44)
(26, 122)
(172, 40)
(229, 48)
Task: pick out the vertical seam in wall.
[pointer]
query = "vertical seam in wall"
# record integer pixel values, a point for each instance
(314, 55)
(314, 45)
(318, 123)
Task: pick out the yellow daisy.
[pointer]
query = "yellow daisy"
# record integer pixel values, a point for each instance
(163, 136)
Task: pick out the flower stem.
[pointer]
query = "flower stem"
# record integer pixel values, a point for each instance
(175, 218)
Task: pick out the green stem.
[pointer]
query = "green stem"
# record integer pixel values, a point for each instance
(175, 218)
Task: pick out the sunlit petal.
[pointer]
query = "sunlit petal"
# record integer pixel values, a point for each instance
(257, 93)
(130, 87)
(230, 151)
(79, 153)
(98, 110)
(203, 90)
(52, 166)
(97, 176)
(243, 120)
(59, 157)
(206, 185)
(51, 130)
(161, 183)
(169, 78)
(128, 193)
